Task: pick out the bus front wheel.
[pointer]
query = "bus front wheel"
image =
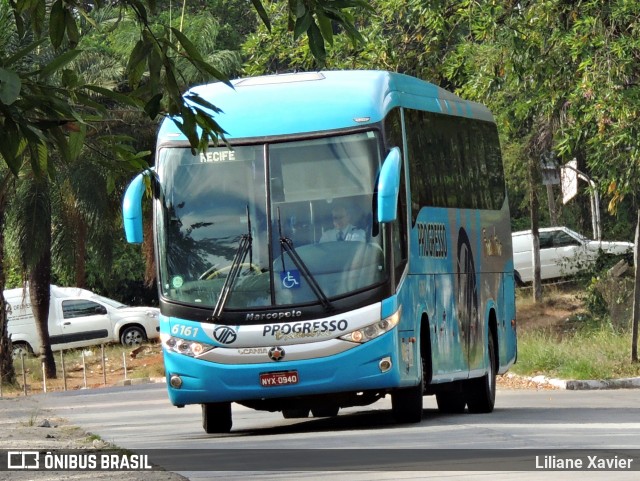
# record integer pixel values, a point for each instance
(216, 417)
(406, 404)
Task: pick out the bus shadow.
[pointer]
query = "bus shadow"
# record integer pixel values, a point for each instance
(383, 419)
(361, 421)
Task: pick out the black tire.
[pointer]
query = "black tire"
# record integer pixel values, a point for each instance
(325, 411)
(295, 413)
(216, 417)
(481, 392)
(133, 336)
(21, 348)
(451, 402)
(406, 404)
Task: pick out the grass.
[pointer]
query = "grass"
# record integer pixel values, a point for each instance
(585, 354)
(561, 339)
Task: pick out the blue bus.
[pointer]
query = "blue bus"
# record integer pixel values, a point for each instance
(351, 240)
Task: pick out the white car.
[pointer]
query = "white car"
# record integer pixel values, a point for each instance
(563, 252)
(78, 318)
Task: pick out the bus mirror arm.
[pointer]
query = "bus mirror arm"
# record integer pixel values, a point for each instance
(389, 186)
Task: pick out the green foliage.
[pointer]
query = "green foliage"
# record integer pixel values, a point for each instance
(527, 62)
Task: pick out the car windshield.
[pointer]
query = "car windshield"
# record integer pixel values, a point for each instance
(309, 195)
(111, 302)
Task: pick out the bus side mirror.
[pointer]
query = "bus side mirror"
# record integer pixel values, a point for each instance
(389, 186)
(132, 210)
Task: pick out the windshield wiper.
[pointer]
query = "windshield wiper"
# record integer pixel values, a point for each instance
(286, 245)
(244, 248)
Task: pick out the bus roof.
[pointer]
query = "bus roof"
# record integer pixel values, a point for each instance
(307, 102)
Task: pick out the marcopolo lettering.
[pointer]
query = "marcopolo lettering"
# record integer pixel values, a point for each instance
(432, 240)
(305, 327)
(273, 315)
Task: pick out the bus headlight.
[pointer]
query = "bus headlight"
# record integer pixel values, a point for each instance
(374, 330)
(184, 346)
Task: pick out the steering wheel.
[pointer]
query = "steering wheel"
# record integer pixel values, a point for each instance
(214, 273)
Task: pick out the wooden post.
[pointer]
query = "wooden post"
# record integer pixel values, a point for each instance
(64, 372)
(24, 374)
(84, 371)
(104, 370)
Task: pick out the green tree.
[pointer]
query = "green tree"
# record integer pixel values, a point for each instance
(46, 106)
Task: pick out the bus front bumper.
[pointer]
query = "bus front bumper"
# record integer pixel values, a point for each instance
(374, 365)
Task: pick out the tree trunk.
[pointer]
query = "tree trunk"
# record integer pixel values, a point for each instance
(81, 252)
(636, 294)
(7, 372)
(39, 275)
(535, 181)
(40, 295)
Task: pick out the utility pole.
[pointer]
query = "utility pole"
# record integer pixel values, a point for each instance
(636, 294)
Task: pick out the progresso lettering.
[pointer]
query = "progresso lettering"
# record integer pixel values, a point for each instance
(310, 327)
(432, 240)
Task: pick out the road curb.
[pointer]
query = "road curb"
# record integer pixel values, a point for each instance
(579, 385)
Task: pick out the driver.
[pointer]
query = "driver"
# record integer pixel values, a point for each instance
(343, 229)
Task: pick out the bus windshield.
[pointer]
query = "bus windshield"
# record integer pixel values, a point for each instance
(302, 211)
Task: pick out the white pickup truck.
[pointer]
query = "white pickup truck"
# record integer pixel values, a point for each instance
(78, 318)
(563, 252)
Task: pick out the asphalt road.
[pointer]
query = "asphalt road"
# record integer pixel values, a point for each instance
(141, 418)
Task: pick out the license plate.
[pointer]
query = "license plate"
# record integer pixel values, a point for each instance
(284, 378)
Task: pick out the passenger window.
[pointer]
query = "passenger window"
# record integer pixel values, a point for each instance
(81, 308)
(546, 240)
(562, 239)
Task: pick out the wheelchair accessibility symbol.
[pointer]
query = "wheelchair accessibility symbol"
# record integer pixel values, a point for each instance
(290, 279)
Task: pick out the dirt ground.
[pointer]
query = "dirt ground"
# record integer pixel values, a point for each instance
(141, 364)
(560, 307)
(25, 426)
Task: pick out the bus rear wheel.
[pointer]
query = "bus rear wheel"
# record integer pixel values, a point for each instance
(216, 417)
(295, 413)
(481, 392)
(451, 402)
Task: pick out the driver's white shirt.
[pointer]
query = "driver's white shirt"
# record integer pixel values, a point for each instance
(349, 232)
